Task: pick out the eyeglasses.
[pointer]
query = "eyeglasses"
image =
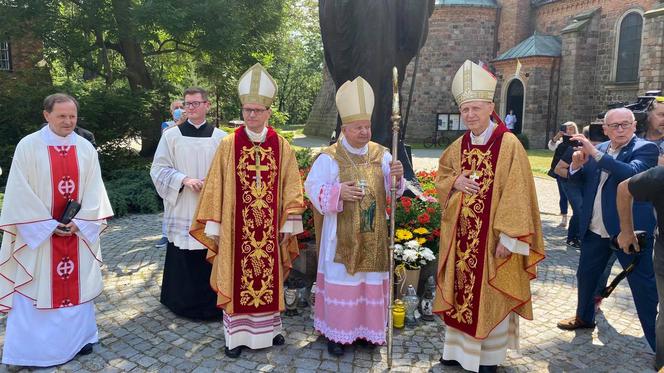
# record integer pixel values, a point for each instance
(253, 111)
(623, 125)
(194, 104)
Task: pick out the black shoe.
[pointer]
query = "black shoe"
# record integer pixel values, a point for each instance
(233, 353)
(574, 243)
(488, 369)
(278, 340)
(365, 343)
(86, 350)
(335, 349)
(449, 363)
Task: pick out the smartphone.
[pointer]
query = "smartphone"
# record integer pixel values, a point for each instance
(563, 128)
(568, 139)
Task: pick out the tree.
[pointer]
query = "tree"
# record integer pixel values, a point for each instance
(126, 41)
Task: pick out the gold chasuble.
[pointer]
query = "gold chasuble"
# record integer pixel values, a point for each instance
(476, 290)
(362, 236)
(250, 190)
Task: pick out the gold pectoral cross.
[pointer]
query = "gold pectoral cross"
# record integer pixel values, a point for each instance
(258, 167)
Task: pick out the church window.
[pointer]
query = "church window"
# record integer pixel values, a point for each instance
(629, 48)
(5, 60)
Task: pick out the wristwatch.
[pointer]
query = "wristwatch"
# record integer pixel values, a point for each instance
(598, 156)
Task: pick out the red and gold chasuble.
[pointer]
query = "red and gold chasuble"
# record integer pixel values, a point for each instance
(64, 250)
(256, 251)
(472, 232)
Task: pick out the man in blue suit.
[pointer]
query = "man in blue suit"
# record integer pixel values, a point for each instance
(598, 171)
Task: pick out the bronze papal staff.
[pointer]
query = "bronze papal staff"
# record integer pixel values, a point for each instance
(396, 118)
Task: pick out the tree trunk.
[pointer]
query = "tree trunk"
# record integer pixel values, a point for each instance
(137, 72)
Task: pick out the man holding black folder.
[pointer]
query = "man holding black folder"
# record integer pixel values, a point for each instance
(55, 208)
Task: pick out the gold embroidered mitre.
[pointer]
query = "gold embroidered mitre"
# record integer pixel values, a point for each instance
(256, 86)
(473, 83)
(355, 100)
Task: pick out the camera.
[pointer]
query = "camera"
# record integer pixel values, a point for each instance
(639, 108)
(177, 113)
(641, 238)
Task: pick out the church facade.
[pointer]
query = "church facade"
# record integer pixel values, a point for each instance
(555, 60)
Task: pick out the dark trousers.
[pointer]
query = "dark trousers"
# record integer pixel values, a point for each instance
(595, 253)
(575, 198)
(659, 276)
(563, 197)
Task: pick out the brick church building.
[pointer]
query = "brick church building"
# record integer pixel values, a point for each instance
(575, 56)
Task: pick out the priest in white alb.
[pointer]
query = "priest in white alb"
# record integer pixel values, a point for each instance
(348, 184)
(50, 271)
(250, 211)
(182, 160)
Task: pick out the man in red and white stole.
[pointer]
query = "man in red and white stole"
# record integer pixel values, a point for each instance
(348, 185)
(491, 235)
(50, 272)
(249, 212)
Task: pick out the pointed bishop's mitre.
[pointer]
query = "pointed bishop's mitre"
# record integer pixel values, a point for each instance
(473, 83)
(355, 100)
(256, 86)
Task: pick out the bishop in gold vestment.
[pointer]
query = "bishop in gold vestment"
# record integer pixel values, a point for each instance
(491, 236)
(251, 196)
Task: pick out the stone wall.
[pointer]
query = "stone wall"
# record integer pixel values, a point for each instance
(651, 69)
(539, 76)
(25, 53)
(516, 23)
(455, 35)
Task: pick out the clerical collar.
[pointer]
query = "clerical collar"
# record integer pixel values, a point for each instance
(357, 151)
(52, 138)
(483, 137)
(256, 137)
(198, 126)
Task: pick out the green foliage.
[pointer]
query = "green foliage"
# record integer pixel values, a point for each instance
(305, 157)
(524, 140)
(278, 118)
(132, 191)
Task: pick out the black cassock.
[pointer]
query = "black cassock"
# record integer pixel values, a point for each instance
(367, 38)
(185, 287)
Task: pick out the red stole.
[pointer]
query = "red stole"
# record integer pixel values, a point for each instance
(255, 253)
(470, 244)
(64, 250)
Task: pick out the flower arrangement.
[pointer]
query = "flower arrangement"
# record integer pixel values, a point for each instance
(412, 254)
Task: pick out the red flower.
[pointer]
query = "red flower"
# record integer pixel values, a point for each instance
(431, 210)
(389, 211)
(436, 232)
(406, 202)
(424, 218)
(406, 209)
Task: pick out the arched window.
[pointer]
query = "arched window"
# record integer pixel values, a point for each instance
(629, 48)
(5, 58)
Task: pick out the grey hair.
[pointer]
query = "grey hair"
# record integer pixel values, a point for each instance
(619, 110)
(57, 98)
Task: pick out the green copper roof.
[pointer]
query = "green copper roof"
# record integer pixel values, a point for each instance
(536, 45)
(482, 3)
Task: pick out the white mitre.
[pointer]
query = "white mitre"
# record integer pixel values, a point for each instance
(473, 83)
(355, 100)
(256, 86)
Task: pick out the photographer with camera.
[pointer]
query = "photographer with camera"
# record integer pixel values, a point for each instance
(655, 126)
(645, 187)
(599, 169)
(559, 144)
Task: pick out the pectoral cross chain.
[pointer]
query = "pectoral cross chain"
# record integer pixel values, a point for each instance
(258, 167)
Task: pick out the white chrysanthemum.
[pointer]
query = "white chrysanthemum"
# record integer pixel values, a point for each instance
(412, 244)
(410, 255)
(427, 254)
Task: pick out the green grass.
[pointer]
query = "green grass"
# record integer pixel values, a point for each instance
(540, 160)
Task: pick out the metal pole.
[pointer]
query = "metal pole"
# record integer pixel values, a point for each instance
(396, 118)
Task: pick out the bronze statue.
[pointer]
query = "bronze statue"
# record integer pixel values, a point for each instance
(368, 38)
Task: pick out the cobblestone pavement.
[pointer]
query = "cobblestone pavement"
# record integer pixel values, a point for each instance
(138, 334)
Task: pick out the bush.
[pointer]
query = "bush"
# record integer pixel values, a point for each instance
(132, 191)
(524, 140)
